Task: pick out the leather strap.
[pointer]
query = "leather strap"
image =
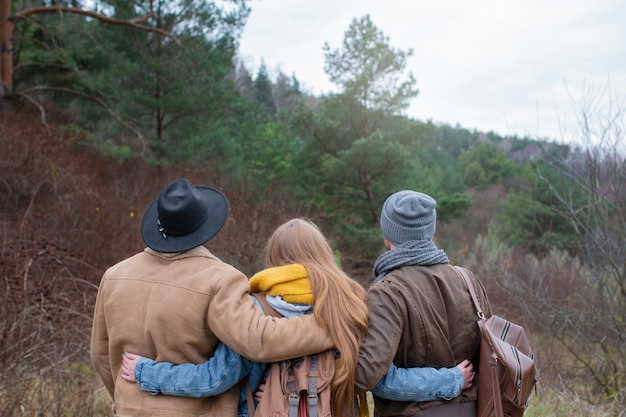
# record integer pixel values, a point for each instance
(269, 311)
(493, 360)
(497, 394)
(468, 281)
(265, 306)
(250, 400)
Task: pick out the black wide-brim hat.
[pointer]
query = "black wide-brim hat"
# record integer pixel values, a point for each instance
(183, 216)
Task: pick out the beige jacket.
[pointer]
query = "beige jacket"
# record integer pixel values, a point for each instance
(176, 308)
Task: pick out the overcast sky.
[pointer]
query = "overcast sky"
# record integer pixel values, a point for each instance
(515, 67)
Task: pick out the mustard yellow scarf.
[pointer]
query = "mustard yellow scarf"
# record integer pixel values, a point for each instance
(291, 282)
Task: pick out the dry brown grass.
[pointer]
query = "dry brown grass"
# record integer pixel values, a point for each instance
(70, 390)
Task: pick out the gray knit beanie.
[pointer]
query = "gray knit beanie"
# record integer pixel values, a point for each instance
(408, 215)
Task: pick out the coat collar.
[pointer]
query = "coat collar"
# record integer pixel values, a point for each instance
(195, 252)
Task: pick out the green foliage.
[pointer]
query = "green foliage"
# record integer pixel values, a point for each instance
(532, 217)
(363, 243)
(270, 156)
(438, 149)
(370, 74)
(286, 95)
(341, 174)
(369, 69)
(168, 88)
(116, 152)
(365, 170)
(452, 206)
(352, 164)
(276, 100)
(452, 140)
(485, 164)
(143, 89)
(263, 91)
(52, 52)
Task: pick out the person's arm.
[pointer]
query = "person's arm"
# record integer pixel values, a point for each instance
(385, 329)
(424, 384)
(216, 376)
(235, 319)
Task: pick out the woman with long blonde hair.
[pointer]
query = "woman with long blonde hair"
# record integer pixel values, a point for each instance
(339, 301)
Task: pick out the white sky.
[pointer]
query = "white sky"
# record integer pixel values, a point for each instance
(508, 66)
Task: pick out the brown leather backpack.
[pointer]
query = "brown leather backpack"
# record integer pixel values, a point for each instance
(506, 369)
(298, 387)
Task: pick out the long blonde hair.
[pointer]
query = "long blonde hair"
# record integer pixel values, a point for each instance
(340, 307)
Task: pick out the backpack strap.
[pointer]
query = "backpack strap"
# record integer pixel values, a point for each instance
(495, 382)
(297, 404)
(294, 397)
(265, 306)
(313, 398)
(268, 310)
(249, 398)
(470, 286)
(294, 405)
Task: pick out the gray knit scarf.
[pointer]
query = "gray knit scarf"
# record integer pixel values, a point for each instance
(412, 252)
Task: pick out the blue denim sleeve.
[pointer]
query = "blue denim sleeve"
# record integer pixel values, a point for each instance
(257, 373)
(419, 384)
(216, 376)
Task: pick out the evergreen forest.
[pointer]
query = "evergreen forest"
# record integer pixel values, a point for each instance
(105, 102)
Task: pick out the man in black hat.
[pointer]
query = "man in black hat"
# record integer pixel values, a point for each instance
(175, 302)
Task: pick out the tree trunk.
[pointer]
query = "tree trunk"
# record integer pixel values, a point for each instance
(6, 51)
(370, 198)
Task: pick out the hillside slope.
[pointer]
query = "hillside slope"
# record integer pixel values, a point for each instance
(67, 213)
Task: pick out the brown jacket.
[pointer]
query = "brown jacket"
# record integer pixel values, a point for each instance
(176, 308)
(418, 316)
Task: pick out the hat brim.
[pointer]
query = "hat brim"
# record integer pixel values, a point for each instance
(218, 212)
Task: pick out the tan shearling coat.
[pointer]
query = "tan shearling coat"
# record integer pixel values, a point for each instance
(176, 308)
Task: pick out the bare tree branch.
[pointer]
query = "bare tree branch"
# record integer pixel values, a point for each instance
(136, 23)
(137, 132)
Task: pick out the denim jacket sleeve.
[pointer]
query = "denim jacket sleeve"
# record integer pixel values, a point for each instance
(216, 376)
(419, 384)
